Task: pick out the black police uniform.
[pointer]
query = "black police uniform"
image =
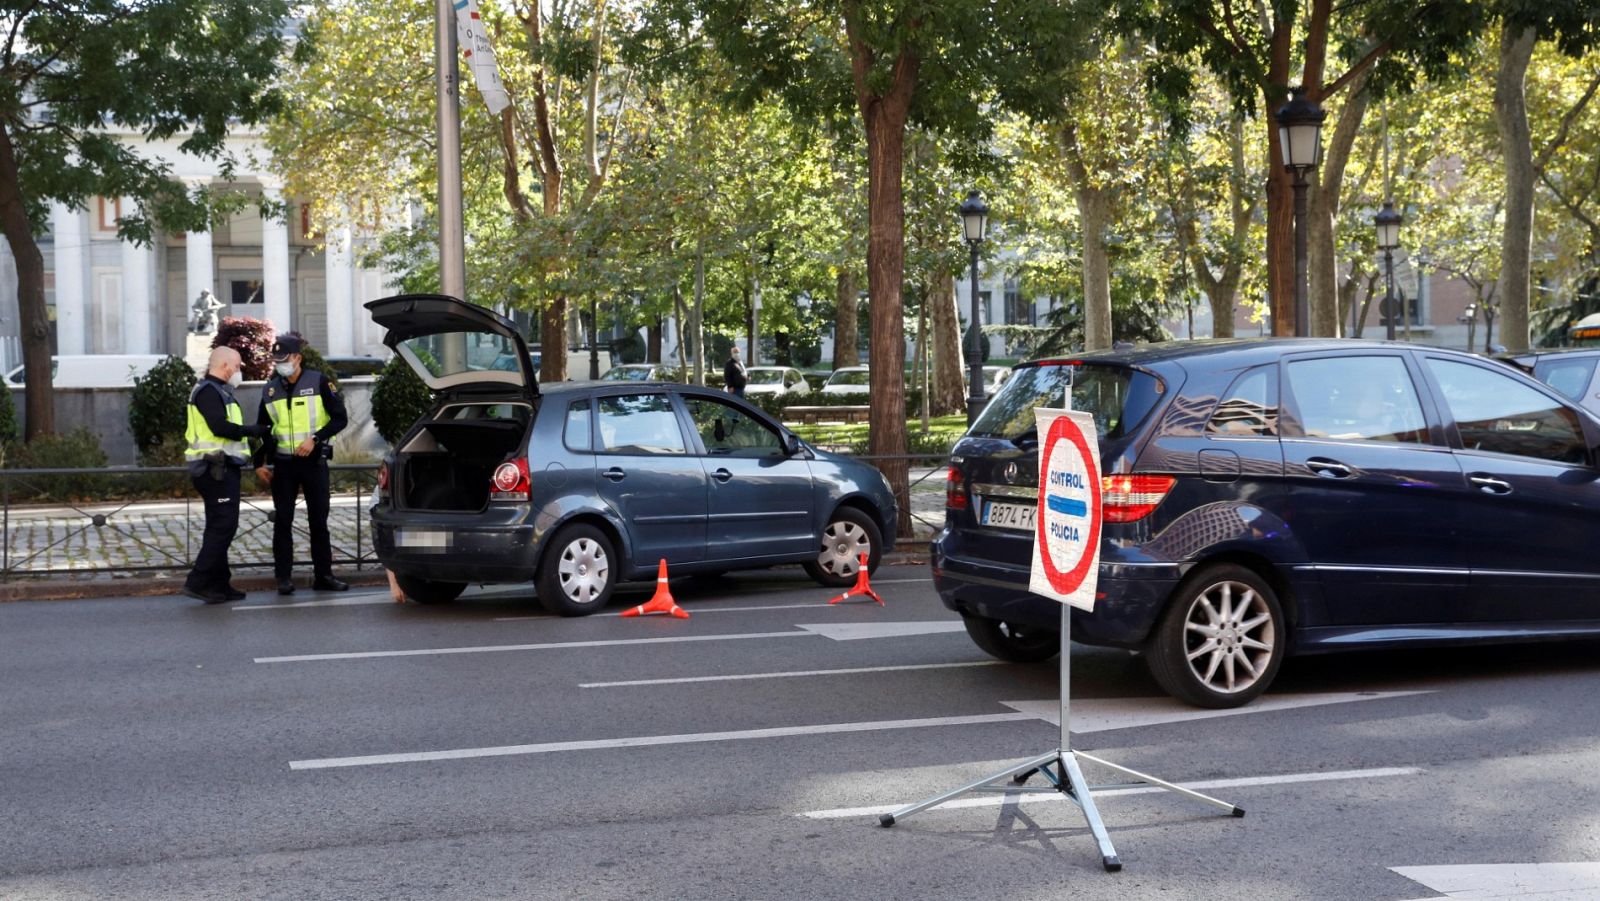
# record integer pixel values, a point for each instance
(210, 579)
(292, 475)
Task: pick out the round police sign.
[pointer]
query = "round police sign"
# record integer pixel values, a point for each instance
(1068, 520)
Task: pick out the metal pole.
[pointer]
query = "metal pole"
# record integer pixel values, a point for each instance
(975, 398)
(1066, 679)
(452, 241)
(1302, 297)
(594, 338)
(1388, 292)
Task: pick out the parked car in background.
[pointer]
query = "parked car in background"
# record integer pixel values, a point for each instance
(92, 370)
(641, 372)
(1572, 371)
(1269, 497)
(579, 485)
(851, 380)
(354, 367)
(776, 380)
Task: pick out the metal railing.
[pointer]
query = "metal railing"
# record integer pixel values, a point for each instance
(88, 523)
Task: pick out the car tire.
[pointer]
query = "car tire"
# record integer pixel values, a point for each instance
(426, 591)
(1221, 640)
(848, 534)
(578, 571)
(1012, 642)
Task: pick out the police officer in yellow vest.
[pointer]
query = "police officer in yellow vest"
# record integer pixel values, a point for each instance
(217, 451)
(305, 410)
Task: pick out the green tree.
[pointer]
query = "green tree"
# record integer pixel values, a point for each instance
(158, 68)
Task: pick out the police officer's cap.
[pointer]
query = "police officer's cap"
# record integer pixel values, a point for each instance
(286, 345)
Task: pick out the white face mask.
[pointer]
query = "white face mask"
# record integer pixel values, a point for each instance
(284, 369)
(236, 379)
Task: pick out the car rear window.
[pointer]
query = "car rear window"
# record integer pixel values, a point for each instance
(1570, 376)
(1118, 397)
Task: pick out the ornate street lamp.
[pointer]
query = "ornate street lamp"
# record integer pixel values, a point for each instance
(1300, 137)
(974, 226)
(1387, 223)
(1469, 318)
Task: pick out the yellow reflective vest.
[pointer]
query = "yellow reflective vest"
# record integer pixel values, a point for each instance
(203, 441)
(295, 410)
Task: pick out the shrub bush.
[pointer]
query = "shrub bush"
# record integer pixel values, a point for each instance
(158, 410)
(77, 449)
(252, 338)
(8, 418)
(399, 399)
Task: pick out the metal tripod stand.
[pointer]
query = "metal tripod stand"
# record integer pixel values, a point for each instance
(1060, 768)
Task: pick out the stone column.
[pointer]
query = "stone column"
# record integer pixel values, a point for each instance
(70, 229)
(138, 263)
(199, 265)
(275, 263)
(341, 291)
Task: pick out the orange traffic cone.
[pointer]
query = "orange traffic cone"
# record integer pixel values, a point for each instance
(662, 601)
(862, 586)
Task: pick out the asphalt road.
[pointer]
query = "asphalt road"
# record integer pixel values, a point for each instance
(154, 748)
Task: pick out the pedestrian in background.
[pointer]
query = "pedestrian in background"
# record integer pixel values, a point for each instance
(305, 411)
(733, 374)
(217, 451)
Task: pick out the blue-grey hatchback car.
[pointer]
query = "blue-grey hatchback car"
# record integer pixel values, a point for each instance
(578, 485)
(1268, 497)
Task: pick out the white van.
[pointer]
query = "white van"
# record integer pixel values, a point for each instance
(93, 370)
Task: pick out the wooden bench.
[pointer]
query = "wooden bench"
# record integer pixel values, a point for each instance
(827, 414)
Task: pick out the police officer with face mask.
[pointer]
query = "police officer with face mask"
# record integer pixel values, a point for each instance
(217, 451)
(305, 411)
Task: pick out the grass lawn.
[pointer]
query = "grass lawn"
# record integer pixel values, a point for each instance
(942, 433)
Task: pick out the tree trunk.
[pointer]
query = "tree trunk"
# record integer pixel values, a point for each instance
(947, 387)
(1323, 212)
(1280, 237)
(846, 339)
(40, 417)
(1093, 216)
(1516, 145)
(652, 341)
(697, 332)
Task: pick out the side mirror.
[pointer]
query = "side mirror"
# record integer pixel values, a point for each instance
(790, 442)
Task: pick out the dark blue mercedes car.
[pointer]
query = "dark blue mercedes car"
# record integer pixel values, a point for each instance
(578, 485)
(1269, 497)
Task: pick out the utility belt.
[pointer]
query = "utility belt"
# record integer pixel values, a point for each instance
(319, 451)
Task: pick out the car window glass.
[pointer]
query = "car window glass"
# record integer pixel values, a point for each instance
(1357, 399)
(727, 431)
(639, 424)
(1498, 414)
(576, 433)
(1570, 377)
(1249, 407)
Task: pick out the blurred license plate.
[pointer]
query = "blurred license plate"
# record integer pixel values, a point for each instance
(418, 539)
(1009, 516)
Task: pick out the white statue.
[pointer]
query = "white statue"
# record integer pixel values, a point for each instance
(204, 320)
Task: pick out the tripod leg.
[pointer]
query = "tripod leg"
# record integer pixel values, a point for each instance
(1186, 792)
(1080, 792)
(889, 819)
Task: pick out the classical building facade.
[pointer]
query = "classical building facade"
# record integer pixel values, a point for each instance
(110, 296)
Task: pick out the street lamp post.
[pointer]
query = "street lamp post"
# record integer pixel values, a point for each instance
(1387, 222)
(1469, 318)
(1300, 137)
(974, 224)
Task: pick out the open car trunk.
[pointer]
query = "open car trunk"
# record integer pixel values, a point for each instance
(448, 464)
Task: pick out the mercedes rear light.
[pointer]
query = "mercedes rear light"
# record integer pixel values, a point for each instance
(1127, 498)
(955, 493)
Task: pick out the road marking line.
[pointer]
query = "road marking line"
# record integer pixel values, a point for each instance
(696, 608)
(1546, 881)
(857, 631)
(813, 672)
(543, 646)
(354, 600)
(1102, 714)
(648, 741)
(1031, 798)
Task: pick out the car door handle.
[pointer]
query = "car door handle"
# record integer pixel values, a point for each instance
(1489, 484)
(722, 475)
(1332, 469)
(615, 474)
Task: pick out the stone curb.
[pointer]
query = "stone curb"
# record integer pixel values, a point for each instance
(171, 584)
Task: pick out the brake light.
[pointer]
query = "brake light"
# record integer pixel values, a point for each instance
(383, 477)
(955, 495)
(1127, 498)
(510, 481)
